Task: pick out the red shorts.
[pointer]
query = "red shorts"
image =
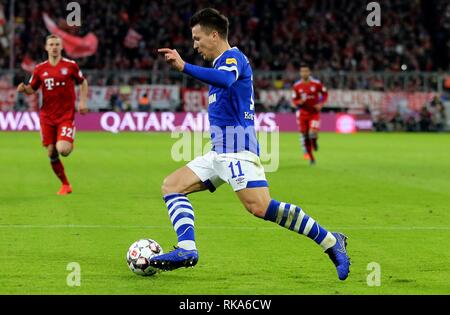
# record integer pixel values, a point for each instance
(308, 122)
(51, 133)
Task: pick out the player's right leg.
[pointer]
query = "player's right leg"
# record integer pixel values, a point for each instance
(314, 132)
(58, 169)
(302, 137)
(303, 147)
(196, 176)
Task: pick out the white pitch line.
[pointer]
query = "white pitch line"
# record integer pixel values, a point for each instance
(211, 227)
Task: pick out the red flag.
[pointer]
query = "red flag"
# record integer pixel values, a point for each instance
(3, 35)
(74, 46)
(28, 64)
(132, 39)
(2, 16)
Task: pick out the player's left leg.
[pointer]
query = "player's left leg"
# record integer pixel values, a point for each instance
(259, 203)
(65, 135)
(49, 134)
(58, 169)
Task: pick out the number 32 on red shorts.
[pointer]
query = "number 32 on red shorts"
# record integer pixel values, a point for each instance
(66, 132)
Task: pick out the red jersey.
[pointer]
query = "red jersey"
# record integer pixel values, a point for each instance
(312, 92)
(58, 89)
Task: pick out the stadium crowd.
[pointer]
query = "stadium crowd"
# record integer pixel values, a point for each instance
(431, 117)
(330, 35)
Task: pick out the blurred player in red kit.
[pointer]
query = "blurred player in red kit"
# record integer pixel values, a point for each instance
(309, 95)
(57, 77)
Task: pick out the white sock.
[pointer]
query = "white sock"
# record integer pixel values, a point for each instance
(328, 241)
(187, 245)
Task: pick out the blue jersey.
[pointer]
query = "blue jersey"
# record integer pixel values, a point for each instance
(232, 110)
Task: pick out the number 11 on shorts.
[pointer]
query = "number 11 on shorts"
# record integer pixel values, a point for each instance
(238, 164)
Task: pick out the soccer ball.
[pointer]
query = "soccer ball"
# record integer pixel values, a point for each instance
(139, 254)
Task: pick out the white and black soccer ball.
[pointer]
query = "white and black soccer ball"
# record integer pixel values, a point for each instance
(139, 254)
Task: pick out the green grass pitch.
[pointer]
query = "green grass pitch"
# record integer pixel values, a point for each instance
(390, 193)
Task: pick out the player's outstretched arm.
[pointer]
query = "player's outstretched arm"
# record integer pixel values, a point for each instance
(82, 105)
(23, 88)
(219, 78)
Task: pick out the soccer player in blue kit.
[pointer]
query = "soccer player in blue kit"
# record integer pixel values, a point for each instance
(234, 157)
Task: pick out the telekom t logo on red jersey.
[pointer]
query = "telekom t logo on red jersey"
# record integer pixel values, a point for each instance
(49, 83)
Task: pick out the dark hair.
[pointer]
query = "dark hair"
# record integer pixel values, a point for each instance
(212, 19)
(304, 65)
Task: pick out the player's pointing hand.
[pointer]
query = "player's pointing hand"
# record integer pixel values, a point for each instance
(173, 58)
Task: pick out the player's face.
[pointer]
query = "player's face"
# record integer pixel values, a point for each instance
(205, 44)
(53, 47)
(305, 73)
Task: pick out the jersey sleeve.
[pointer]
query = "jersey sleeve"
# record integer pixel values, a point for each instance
(35, 81)
(323, 92)
(77, 74)
(295, 96)
(233, 62)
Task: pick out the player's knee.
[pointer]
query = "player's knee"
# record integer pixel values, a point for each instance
(64, 148)
(167, 187)
(257, 209)
(65, 151)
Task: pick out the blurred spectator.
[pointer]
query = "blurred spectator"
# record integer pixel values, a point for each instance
(425, 119)
(112, 102)
(380, 122)
(398, 123)
(437, 113)
(283, 106)
(412, 121)
(126, 105)
(124, 95)
(144, 103)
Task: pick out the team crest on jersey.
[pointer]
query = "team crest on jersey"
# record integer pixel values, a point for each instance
(64, 71)
(230, 61)
(313, 89)
(45, 74)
